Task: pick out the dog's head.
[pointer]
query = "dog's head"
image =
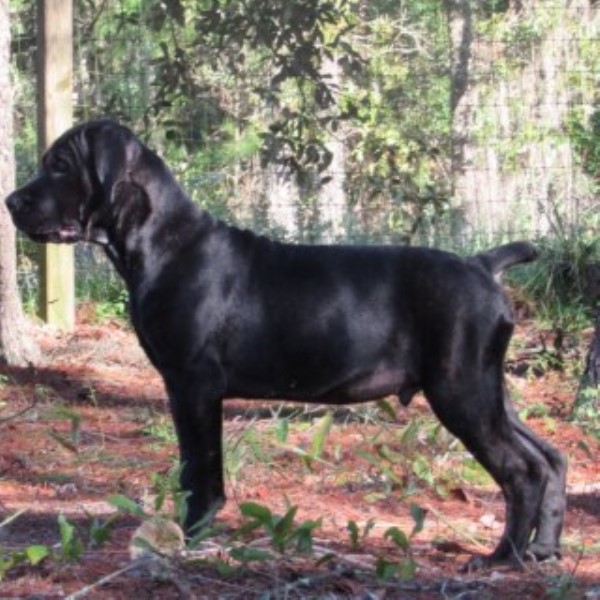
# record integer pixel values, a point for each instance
(82, 175)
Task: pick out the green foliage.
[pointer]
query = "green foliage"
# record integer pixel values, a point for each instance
(161, 428)
(400, 460)
(32, 555)
(357, 536)
(169, 504)
(69, 549)
(100, 530)
(244, 448)
(71, 545)
(284, 533)
(562, 587)
(214, 84)
(399, 152)
(169, 488)
(405, 568)
(127, 506)
(557, 281)
(322, 429)
(70, 441)
(586, 412)
(585, 136)
(170, 501)
(107, 308)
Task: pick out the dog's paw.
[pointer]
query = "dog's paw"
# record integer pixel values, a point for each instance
(542, 552)
(483, 562)
(479, 562)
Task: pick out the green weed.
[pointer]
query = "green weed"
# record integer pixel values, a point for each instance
(160, 427)
(242, 449)
(356, 535)
(71, 545)
(71, 440)
(405, 568)
(586, 412)
(31, 555)
(69, 549)
(113, 308)
(558, 281)
(283, 531)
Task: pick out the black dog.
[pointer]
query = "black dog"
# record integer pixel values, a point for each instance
(224, 313)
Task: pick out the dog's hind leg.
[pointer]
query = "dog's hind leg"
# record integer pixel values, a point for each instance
(546, 542)
(471, 406)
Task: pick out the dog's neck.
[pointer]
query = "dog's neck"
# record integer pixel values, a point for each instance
(140, 209)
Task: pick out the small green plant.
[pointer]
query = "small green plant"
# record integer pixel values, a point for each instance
(356, 535)
(283, 532)
(384, 460)
(557, 282)
(71, 545)
(71, 440)
(241, 449)
(115, 308)
(32, 555)
(400, 459)
(161, 428)
(586, 411)
(322, 429)
(561, 587)
(169, 487)
(170, 501)
(407, 566)
(100, 531)
(127, 506)
(246, 554)
(169, 508)
(69, 549)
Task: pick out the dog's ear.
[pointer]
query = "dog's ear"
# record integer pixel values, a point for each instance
(130, 206)
(114, 152)
(127, 210)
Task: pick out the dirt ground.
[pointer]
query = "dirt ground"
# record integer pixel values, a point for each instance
(93, 422)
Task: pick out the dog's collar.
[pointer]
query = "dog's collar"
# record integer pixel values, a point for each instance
(96, 235)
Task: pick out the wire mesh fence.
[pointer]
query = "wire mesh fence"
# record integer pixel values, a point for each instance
(465, 123)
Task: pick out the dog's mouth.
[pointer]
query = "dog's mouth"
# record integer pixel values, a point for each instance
(65, 234)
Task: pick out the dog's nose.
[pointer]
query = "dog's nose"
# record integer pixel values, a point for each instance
(14, 202)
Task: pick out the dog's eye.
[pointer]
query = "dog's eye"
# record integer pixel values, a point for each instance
(59, 165)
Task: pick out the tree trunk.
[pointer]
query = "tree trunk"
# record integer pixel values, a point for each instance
(588, 392)
(460, 24)
(331, 198)
(593, 363)
(283, 198)
(16, 348)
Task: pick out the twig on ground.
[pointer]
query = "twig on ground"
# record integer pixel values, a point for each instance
(460, 532)
(20, 413)
(107, 578)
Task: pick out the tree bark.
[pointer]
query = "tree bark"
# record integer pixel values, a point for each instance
(283, 198)
(16, 347)
(331, 197)
(588, 392)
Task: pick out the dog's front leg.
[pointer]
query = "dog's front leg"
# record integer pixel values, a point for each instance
(196, 405)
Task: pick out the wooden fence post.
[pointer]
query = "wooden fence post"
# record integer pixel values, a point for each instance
(55, 115)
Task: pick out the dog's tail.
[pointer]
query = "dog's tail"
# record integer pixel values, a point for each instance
(501, 258)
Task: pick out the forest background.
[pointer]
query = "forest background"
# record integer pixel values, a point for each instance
(455, 124)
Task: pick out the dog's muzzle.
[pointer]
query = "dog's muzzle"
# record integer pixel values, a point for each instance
(21, 208)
